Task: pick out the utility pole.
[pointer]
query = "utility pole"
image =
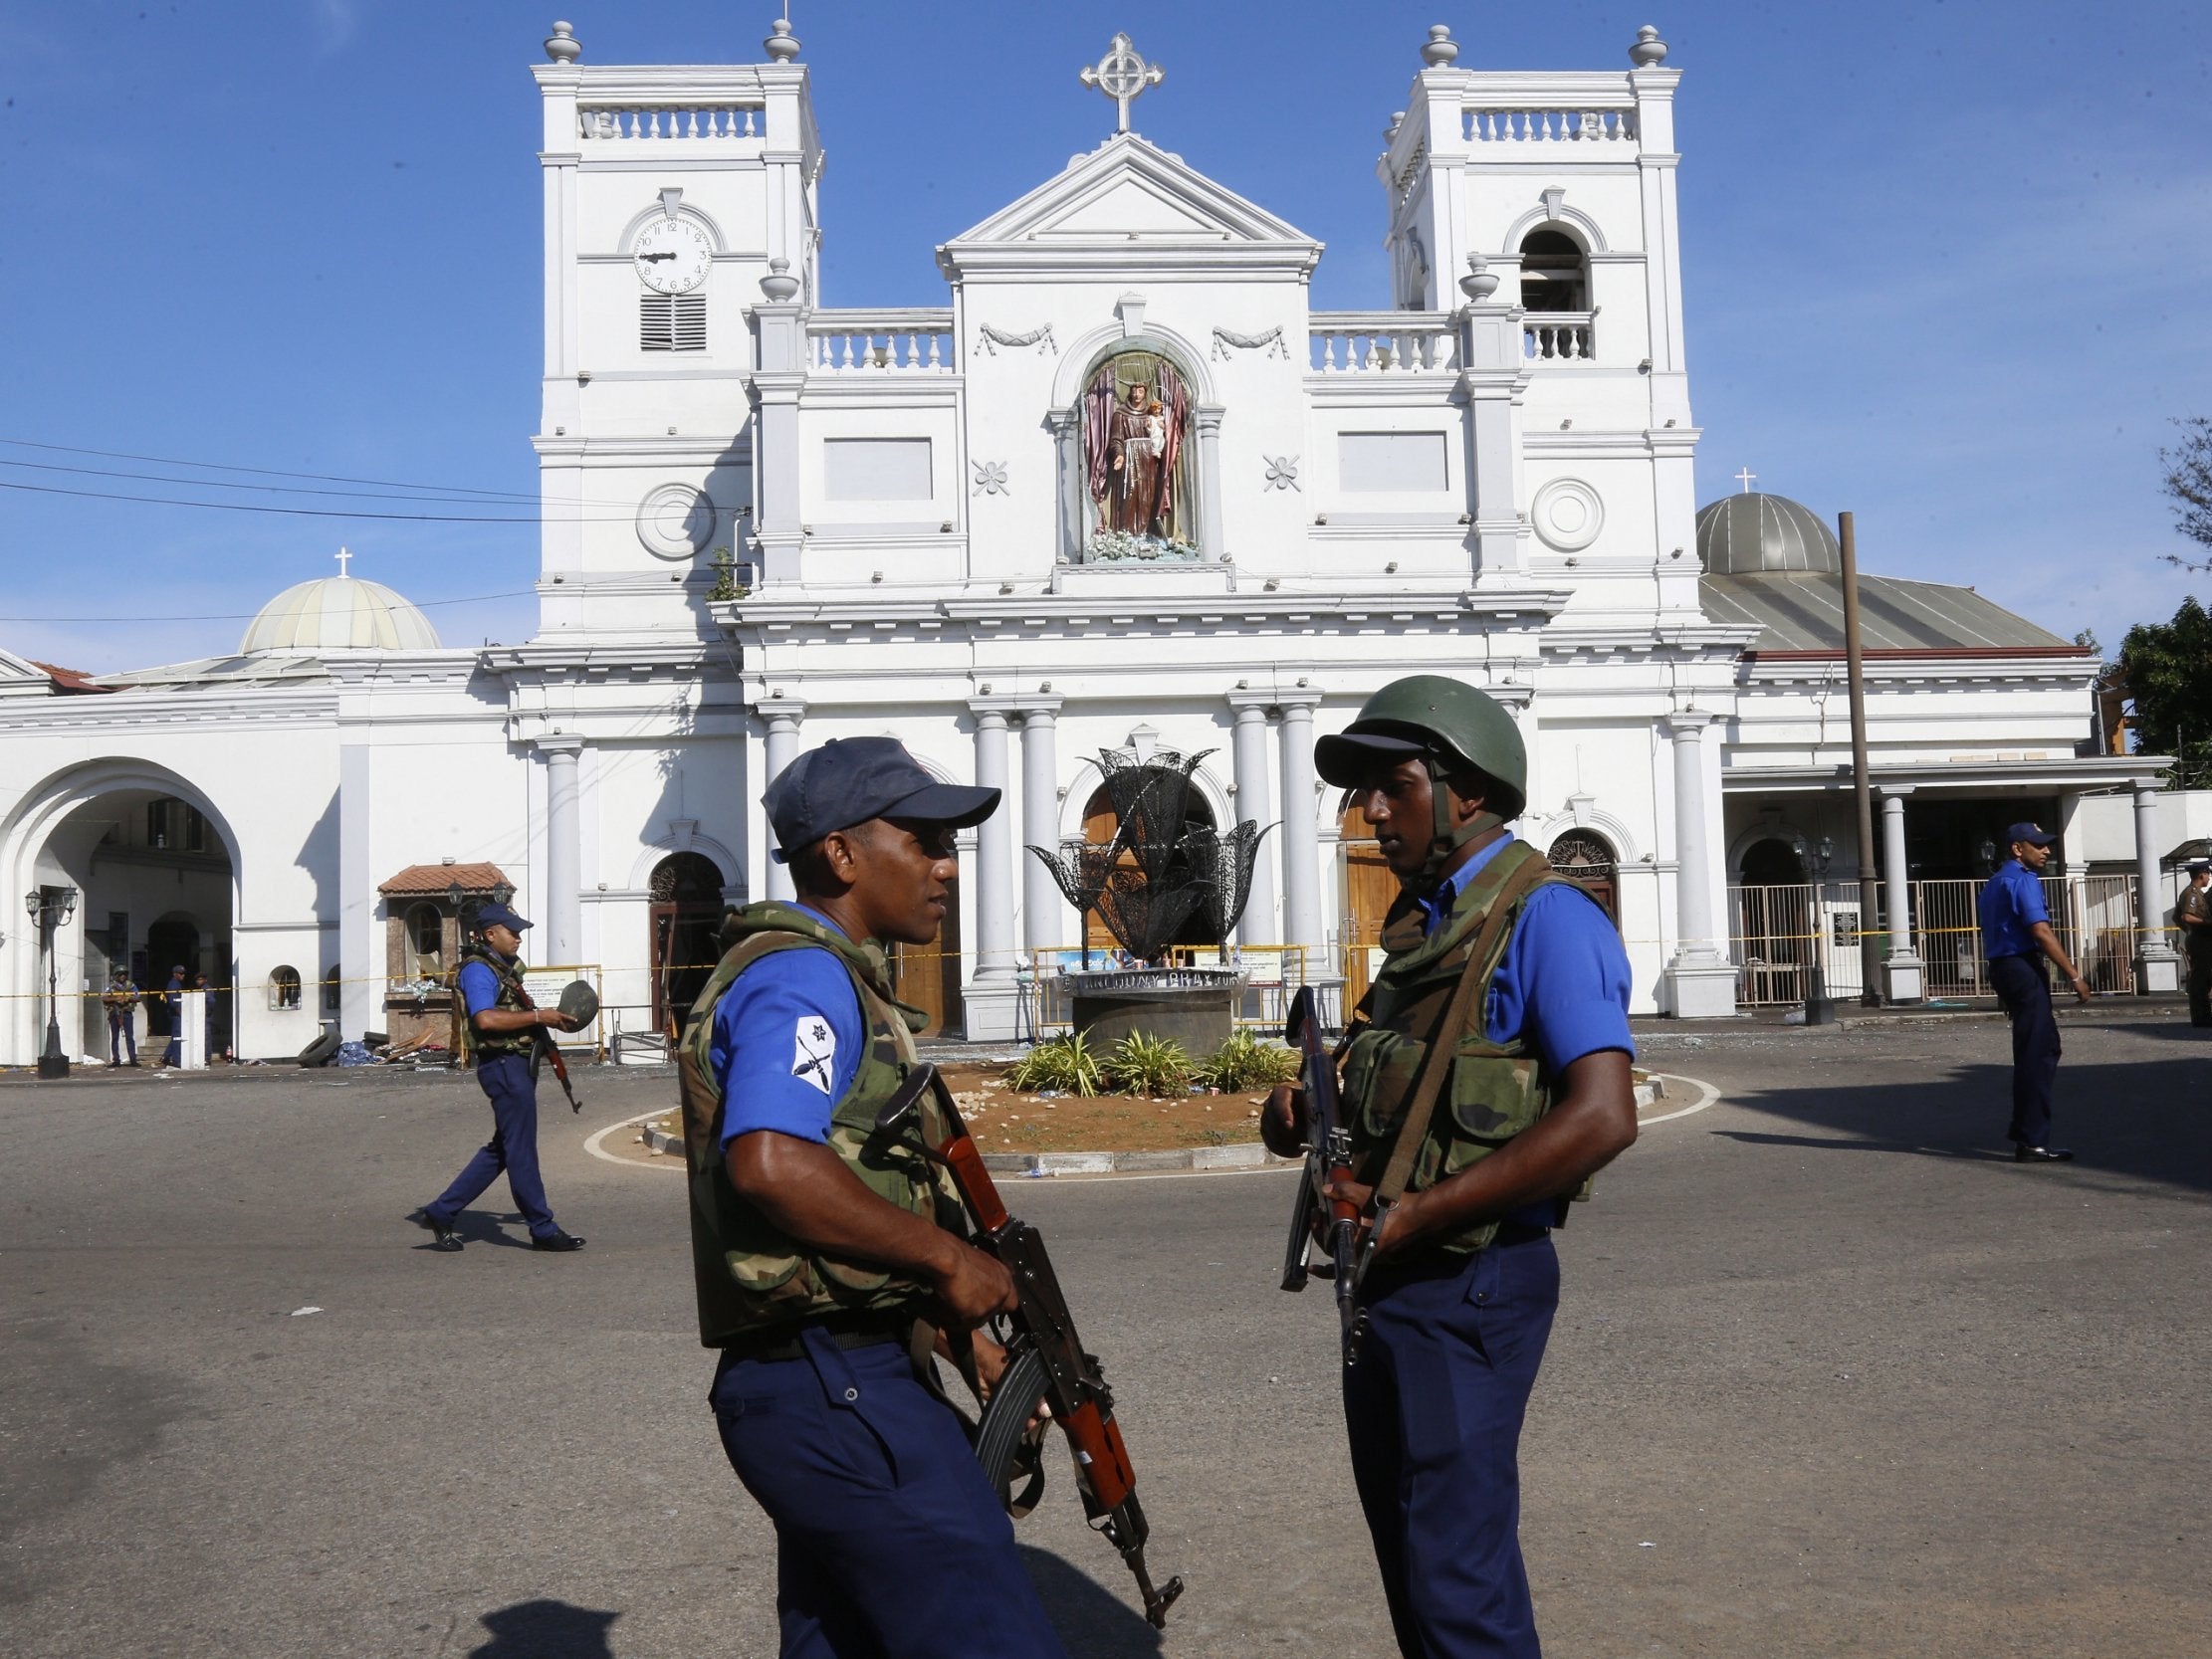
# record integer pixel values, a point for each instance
(1855, 668)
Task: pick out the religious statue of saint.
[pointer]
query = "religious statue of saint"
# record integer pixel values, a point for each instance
(1135, 452)
(1136, 416)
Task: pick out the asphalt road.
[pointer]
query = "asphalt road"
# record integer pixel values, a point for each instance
(1830, 1377)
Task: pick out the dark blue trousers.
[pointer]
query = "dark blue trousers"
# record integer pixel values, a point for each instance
(122, 1035)
(513, 1147)
(2025, 991)
(890, 1544)
(1435, 1406)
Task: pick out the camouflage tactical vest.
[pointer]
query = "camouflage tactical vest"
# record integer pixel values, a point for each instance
(1494, 1091)
(751, 1276)
(490, 1045)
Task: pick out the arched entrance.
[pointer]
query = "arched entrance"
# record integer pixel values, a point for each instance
(1588, 859)
(686, 911)
(1370, 889)
(1203, 928)
(157, 887)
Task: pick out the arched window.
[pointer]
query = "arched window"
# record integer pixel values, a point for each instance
(331, 990)
(1555, 272)
(1587, 859)
(425, 941)
(284, 987)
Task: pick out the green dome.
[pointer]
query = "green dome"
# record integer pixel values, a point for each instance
(1742, 535)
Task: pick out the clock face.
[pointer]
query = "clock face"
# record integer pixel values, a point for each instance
(671, 256)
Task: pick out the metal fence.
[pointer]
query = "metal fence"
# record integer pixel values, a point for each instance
(1780, 934)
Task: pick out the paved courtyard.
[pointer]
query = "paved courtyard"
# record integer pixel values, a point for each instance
(1831, 1377)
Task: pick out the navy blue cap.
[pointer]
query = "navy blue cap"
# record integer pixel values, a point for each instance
(499, 916)
(848, 780)
(2033, 834)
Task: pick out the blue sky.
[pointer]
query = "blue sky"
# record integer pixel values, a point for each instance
(1945, 264)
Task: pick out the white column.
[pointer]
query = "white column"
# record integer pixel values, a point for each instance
(1257, 924)
(1701, 981)
(564, 936)
(993, 998)
(1900, 969)
(1301, 842)
(2157, 968)
(1210, 539)
(784, 718)
(1044, 911)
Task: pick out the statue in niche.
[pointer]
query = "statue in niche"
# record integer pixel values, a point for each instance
(1136, 419)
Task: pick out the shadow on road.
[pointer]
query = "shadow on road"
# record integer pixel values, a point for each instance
(2142, 1118)
(546, 1629)
(1092, 1625)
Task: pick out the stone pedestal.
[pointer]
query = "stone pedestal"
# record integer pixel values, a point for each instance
(1904, 978)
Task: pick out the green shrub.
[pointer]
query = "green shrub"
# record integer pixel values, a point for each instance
(1142, 1065)
(1066, 1064)
(1246, 1062)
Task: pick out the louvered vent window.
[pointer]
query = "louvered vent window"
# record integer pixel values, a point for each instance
(672, 321)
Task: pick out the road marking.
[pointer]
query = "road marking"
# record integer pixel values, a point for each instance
(1707, 1093)
(597, 1151)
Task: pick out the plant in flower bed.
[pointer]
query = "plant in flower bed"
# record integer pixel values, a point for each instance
(1066, 1065)
(1246, 1061)
(1156, 1066)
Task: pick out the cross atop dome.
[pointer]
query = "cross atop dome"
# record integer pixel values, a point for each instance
(1122, 75)
(343, 555)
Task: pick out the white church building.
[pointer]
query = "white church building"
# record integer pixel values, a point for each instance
(1126, 490)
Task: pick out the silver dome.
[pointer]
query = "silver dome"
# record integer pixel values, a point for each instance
(1742, 535)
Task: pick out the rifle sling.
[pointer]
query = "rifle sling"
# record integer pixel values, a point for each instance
(1412, 1128)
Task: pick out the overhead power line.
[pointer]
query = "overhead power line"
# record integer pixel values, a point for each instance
(326, 512)
(260, 471)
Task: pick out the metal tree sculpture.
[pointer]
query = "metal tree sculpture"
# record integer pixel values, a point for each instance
(1158, 869)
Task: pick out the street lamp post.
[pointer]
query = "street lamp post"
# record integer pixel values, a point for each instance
(1819, 1008)
(48, 909)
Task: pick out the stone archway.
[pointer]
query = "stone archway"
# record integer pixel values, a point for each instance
(143, 847)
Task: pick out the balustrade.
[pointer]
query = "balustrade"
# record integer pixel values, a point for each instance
(1551, 127)
(853, 342)
(1383, 342)
(671, 121)
(1559, 336)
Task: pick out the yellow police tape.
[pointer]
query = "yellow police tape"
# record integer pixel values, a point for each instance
(1845, 941)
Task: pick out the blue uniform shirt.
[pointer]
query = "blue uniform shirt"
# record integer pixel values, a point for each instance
(789, 1031)
(479, 987)
(1564, 972)
(2009, 904)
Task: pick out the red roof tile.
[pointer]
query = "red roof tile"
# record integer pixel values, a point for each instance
(69, 679)
(436, 878)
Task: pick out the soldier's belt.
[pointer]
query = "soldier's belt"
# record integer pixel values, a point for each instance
(783, 1342)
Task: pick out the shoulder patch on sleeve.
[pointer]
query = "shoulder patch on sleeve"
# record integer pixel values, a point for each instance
(814, 1051)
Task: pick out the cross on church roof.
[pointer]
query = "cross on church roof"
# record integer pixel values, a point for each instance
(1122, 75)
(1744, 478)
(341, 555)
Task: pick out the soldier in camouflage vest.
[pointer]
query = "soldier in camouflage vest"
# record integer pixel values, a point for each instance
(2193, 912)
(828, 1254)
(1485, 1080)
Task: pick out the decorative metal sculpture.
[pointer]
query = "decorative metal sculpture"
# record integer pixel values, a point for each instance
(1158, 869)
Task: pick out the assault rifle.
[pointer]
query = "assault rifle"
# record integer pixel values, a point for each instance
(549, 1050)
(1046, 1360)
(1328, 1159)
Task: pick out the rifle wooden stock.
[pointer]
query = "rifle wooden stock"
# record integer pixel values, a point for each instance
(1042, 1341)
(548, 1049)
(1328, 1161)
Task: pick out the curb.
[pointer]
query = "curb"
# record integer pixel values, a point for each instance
(1244, 1155)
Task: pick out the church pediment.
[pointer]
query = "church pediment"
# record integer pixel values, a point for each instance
(1130, 201)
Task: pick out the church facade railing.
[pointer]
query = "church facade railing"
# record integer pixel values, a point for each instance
(1383, 342)
(697, 121)
(911, 341)
(1608, 125)
(1560, 336)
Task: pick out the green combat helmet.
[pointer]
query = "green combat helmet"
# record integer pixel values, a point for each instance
(1452, 729)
